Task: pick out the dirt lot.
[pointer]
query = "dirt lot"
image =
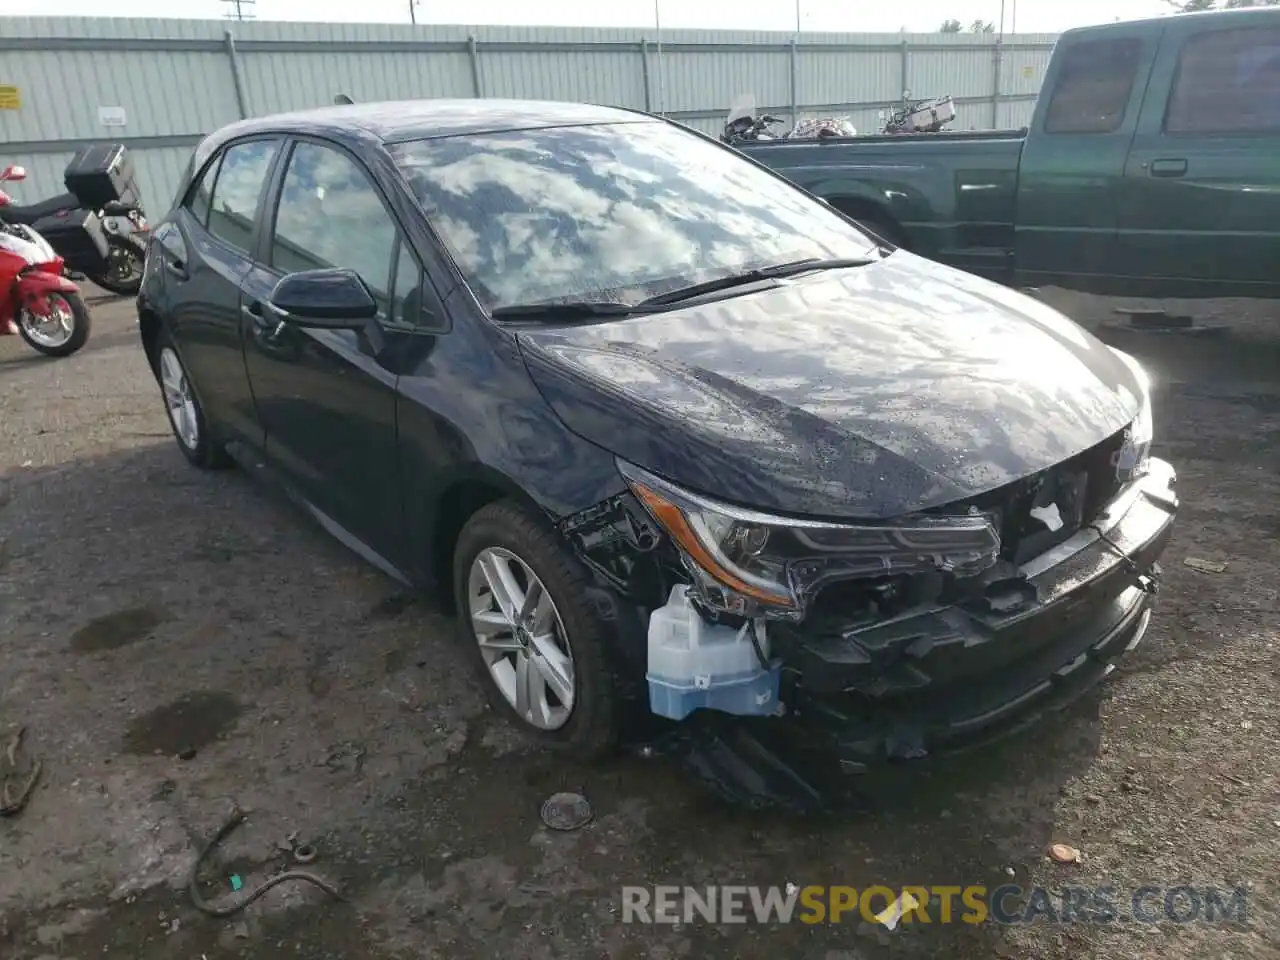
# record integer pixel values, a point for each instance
(177, 641)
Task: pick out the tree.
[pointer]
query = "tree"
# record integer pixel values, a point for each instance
(979, 26)
(950, 26)
(1197, 6)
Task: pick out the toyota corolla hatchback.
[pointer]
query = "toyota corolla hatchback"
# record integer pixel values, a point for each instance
(666, 432)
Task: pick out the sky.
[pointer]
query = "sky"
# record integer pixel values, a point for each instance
(869, 16)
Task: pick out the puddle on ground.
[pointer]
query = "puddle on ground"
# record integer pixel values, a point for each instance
(188, 723)
(115, 630)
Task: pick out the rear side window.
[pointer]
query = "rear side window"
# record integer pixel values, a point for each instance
(236, 191)
(1093, 86)
(202, 195)
(1228, 81)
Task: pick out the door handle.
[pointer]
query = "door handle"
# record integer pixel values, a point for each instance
(174, 266)
(267, 325)
(1168, 168)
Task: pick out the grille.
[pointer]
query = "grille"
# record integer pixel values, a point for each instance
(1077, 489)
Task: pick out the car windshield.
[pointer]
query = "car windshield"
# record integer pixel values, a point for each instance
(614, 213)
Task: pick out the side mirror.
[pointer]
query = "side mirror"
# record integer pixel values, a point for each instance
(13, 172)
(336, 298)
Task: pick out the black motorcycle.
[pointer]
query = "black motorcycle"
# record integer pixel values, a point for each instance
(98, 227)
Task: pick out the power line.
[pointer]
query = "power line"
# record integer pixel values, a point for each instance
(239, 9)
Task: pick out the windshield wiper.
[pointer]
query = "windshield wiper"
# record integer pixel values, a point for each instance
(568, 310)
(753, 276)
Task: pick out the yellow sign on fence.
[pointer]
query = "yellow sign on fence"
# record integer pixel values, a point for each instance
(9, 98)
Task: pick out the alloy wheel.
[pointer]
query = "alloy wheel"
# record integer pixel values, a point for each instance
(56, 329)
(522, 638)
(178, 399)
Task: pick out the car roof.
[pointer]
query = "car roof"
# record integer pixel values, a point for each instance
(398, 120)
(395, 121)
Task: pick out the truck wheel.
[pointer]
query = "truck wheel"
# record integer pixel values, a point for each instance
(540, 649)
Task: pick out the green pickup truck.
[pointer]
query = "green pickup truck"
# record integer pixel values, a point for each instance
(1151, 168)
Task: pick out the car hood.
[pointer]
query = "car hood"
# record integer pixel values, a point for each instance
(860, 393)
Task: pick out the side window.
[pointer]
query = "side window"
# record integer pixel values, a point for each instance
(406, 298)
(1093, 86)
(331, 216)
(236, 191)
(202, 195)
(1228, 81)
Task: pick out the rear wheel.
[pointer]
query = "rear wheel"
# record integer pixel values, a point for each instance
(186, 416)
(125, 259)
(62, 331)
(539, 647)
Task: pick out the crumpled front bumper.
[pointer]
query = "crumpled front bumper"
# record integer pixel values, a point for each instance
(942, 680)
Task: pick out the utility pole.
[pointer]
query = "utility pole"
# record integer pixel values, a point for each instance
(413, 16)
(797, 17)
(239, 9)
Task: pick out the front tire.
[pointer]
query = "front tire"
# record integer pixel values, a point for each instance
(61, 333)
(541, 651)
(125, 259)
(186, 416)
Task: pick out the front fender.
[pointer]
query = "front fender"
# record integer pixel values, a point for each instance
(34, 287)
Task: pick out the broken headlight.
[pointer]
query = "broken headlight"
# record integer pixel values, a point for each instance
(1133, 459)
(753, 564)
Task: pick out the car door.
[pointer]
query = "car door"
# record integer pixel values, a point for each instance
(1201, 204)
(205, 261)
(1073, 159)
(327, 398)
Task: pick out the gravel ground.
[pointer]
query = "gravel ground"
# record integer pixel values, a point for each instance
(176, 642)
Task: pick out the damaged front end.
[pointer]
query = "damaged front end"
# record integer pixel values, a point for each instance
(884, 641)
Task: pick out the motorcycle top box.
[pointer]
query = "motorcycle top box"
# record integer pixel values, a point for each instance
(99, 174)
(78, 237)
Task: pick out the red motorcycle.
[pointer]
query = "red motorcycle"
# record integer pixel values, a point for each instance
(36, 301)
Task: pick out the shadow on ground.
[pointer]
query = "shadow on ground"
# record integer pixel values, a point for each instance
(204, 602)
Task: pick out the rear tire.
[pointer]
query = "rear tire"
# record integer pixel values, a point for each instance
(28, 325)
(122, 280)
(562, 634)
(186, 416)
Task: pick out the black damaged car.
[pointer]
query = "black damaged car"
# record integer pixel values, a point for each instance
(662, 428)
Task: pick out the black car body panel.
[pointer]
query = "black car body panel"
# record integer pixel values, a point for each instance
(867, 393)
(858, 393)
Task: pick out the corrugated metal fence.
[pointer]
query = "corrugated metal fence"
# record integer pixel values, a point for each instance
(160, 85)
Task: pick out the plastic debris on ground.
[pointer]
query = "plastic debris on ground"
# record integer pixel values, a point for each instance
(566, 811)
(892, 914)
(1064, 853)
(1204, 566)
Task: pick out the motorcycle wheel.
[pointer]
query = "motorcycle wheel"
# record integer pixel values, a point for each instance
(61, 333)
(125, 259)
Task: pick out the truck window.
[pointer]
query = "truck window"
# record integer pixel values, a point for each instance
(1228, 81)
(1093, 86)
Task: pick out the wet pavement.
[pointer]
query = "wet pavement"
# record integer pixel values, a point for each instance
(179, 644)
